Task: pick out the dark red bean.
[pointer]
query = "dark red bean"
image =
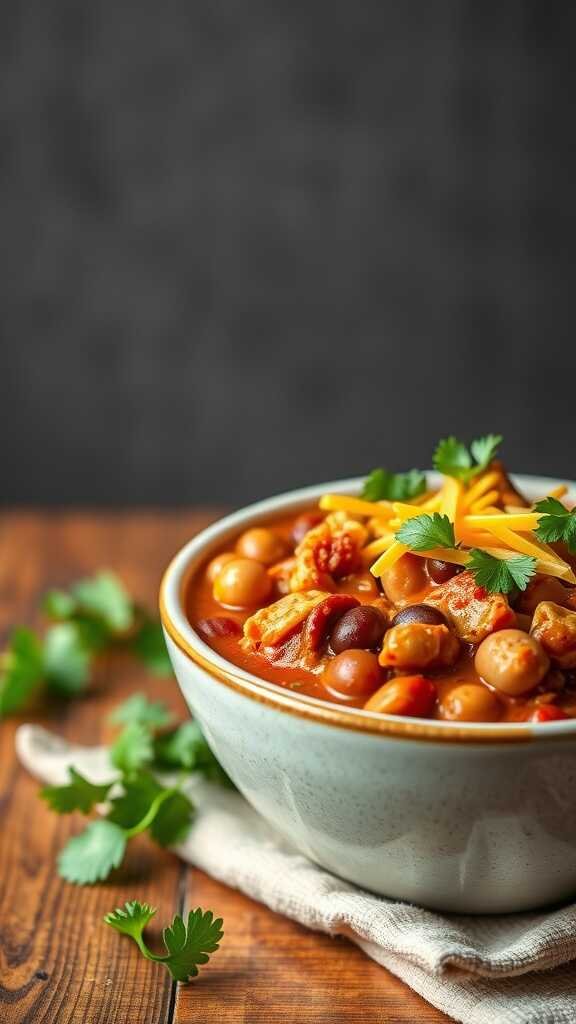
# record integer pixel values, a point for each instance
(361, 627)
(439, 571)
(218, 626)
(304, 523)
(321, 619)
(423, 613)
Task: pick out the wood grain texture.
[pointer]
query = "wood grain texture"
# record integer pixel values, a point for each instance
(58, 963)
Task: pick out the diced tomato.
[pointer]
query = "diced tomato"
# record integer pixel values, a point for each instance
(548, 713)
(414, 696)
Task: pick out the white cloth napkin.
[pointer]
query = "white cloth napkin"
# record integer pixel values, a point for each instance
(509, 969)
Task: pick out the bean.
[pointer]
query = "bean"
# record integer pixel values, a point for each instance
(471, 702)
(414, 696)
(262, 545)
(218, 626)
(405, 579)
(361, 627)
(214, 567)
(423, 613)
(301, 526)
(511, 661)
(352, 674)
(439, 571)
(242, 583)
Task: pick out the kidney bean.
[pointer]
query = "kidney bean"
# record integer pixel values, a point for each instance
(439, 571)
(322, 618)
(414, 696)
(218, 626)
(421, 613)
(361, 627)
(307, 521)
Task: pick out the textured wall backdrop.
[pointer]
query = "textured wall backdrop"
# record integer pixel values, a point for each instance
(249, 245)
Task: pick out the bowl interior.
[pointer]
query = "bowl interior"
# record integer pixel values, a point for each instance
(178, 627)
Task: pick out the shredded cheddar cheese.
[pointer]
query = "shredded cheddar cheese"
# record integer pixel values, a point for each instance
(357, 506)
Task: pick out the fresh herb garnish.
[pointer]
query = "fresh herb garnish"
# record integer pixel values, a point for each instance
(94, 615)
(422, 533)
(188, 945)
(557, 523)
(381, 485)
(91, 856)
(453, 458)
(137, 801)
(78, 795)
(501, 575)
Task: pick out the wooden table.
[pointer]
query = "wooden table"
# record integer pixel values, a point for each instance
(58, 962)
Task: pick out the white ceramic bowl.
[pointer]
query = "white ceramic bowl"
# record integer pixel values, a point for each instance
(465, 817)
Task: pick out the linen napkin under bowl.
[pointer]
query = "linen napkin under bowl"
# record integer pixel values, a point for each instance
(506, 969)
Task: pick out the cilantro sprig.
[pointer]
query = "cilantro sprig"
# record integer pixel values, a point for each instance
(422, 533)
(501, 575)
(453, 458)
(188, 945)
(382, 485)
(94, 615)
(557, 523)
(137, 802)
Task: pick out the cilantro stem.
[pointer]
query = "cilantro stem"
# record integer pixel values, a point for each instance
(151, 813)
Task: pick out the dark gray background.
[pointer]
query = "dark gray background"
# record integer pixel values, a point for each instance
(249, 245)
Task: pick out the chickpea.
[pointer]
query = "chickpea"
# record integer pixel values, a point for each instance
(511, 661)
(213, 568)
(419, 646)
(471, 702)
(262, 545)
(352, 674)
(405, 579)
(242, 583)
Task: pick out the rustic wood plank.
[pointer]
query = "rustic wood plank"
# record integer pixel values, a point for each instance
(269, 969)
(58, 962)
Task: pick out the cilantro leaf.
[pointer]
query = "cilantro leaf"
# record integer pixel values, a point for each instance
(91, 856)
(173, 820)
(191, 944)
(381, 485)
(66, 659)
(132, 919)
(557, 523)
(58, 604)
(421, 533)
(188, 945)
(149, 645)
(501, 575)
(484, 450)
(132, 749)
(153, 714)
(173, 816)
(186, 748)
(78, 795)
(104, 597)
(453, 458)
(20, 671)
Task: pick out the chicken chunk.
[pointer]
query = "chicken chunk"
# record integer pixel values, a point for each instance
(471, 610)
(328, 552)
(555, 628)
(419, 646)
(272, 625)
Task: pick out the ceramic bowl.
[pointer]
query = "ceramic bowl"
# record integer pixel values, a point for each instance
(463, 817)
